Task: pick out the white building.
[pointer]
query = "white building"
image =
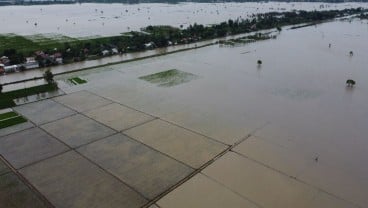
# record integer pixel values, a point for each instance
(9, 69)
(31, 65)
(114, 51)
(105, 52)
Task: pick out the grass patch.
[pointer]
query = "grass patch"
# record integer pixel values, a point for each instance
(8, 115)
(12, 121)
(77, 81)
(169, 78)
(6, 98)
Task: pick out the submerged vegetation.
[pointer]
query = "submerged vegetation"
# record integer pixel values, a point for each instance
(46, 48)
(169, 78)
(350, 83)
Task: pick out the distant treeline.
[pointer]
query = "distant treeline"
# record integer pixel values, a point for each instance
(160, 36)
(35, 2)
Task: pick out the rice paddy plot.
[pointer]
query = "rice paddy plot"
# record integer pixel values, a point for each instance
(10, 119)
(169, 78)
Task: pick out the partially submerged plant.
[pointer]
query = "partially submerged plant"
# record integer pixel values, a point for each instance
(350, 83)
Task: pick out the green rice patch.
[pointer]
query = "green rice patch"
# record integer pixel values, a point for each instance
(77, 81)
(7, 115)
(169, 78)
(10, 119)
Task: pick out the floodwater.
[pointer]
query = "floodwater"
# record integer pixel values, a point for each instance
(297, 99)
(84, 20)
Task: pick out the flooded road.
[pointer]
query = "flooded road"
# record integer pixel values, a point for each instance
(296, 101)
(85, 20)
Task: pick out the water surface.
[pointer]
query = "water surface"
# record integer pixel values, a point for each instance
(90, 19)
(296, 99)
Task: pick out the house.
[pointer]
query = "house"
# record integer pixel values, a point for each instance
(41, 54)
(31, 65)
(30, 59)
(9, 69)
(4, 60)
(58, 55)
(114, 51)
(59, 60)
(105, 52)
(149, 45)
(2, 68)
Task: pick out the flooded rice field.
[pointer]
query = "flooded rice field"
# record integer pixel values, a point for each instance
(62, 22)
(304, 121)
(240, 124)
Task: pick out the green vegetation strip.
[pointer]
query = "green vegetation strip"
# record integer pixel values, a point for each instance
(12, 121)
(8, 115)
(6, 98)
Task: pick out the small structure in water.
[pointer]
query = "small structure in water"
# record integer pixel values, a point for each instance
(350, 83)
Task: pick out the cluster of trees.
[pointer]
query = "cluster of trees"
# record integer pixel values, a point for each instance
(162, 36)
(363, 16)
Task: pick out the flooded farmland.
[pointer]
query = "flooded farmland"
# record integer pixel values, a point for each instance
(267, 124)
(296, 101)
